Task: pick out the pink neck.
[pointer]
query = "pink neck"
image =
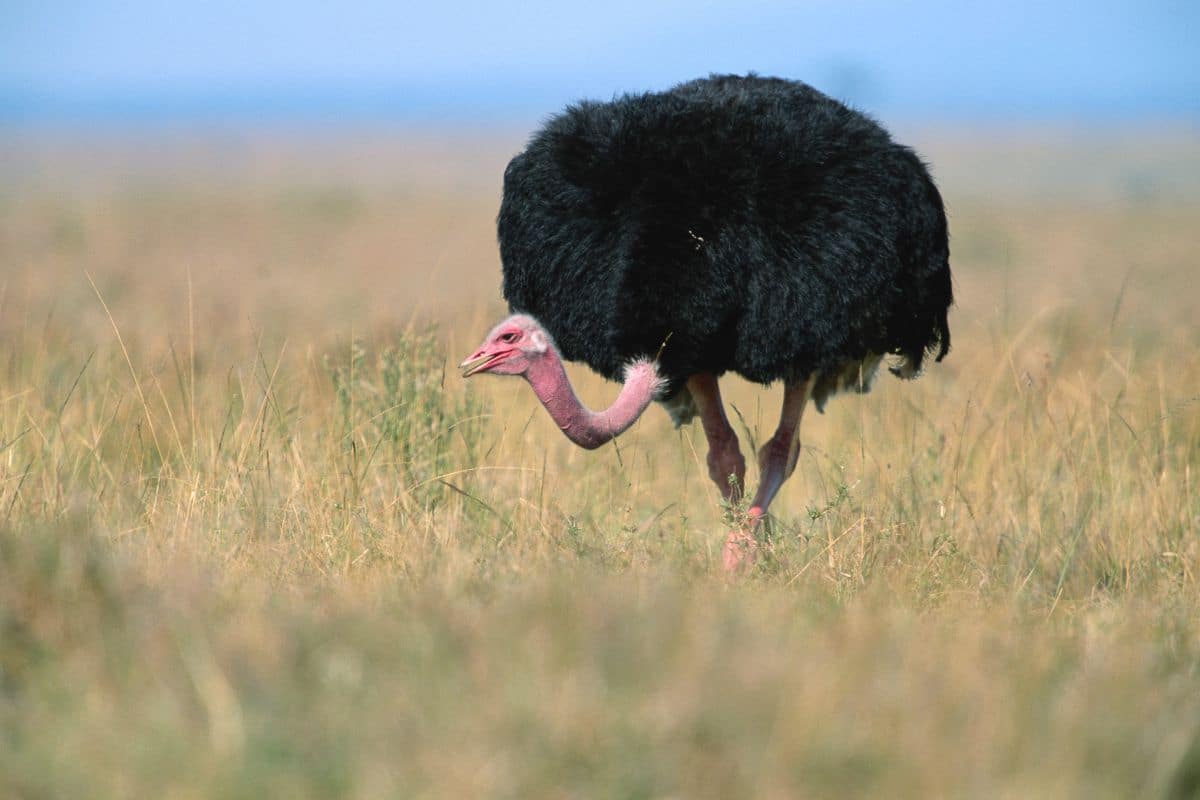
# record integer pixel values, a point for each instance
(590, 429)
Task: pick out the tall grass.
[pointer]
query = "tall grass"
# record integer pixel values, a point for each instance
(256, 539)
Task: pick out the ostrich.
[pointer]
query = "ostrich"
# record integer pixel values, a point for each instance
(731, 224)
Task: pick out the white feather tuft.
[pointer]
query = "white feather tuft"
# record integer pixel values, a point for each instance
(644, 369)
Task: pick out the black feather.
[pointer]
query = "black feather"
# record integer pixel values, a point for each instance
(753, 224)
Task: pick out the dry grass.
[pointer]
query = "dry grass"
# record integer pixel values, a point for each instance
(257, 542)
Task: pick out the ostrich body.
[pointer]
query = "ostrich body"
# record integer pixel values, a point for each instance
(740, 224)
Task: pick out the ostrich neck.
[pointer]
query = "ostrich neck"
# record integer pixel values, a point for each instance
(590, 429)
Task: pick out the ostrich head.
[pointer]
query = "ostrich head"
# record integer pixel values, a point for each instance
(511, 348)
(520, 346)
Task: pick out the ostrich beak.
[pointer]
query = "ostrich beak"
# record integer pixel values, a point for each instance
(477, 362)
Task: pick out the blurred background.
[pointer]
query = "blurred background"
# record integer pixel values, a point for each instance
(485, 63)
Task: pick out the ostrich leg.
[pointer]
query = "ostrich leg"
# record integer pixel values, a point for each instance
(776, 462)
(777, 458)
(726, 466)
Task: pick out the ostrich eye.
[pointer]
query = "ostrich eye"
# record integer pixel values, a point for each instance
(509, 337)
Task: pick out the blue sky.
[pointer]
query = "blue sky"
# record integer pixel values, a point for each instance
(1110, 60)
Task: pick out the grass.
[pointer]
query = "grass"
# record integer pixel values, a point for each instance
(257, 538)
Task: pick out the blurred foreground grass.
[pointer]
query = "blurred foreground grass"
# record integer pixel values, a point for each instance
(255, 541)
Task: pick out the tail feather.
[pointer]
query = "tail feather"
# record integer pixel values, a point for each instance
(943, 335)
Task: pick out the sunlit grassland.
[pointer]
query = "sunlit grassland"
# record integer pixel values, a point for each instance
(258, 537)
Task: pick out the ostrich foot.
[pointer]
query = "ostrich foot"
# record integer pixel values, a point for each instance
(741, 547)
(739, 551)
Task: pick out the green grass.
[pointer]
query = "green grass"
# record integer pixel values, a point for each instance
(258, 539)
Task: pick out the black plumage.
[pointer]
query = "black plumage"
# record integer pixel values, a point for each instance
(751, 224)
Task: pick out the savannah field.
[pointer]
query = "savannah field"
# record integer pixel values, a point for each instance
(258, 538)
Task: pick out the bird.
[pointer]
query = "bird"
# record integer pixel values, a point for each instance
(731, 224)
